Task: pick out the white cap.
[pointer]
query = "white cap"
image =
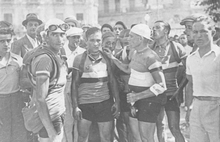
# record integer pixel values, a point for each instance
(54, 21)
(142, 30)
(74, 31)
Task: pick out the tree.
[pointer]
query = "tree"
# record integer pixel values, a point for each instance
(213, 8)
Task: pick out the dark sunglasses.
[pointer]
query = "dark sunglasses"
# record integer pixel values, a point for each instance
(63, 27)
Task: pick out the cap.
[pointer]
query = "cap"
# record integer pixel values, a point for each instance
(31, 17)
(56, 22)
(72, 20)
(6, 30)
(74, 31)
(192, 18)
(142, 30)
(108, 34)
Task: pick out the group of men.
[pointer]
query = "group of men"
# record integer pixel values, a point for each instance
(127, 74)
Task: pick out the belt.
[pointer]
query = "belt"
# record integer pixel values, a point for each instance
(207, 98)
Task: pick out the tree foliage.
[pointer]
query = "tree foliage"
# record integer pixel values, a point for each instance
(213, 8)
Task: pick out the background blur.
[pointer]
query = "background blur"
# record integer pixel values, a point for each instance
(98, 12)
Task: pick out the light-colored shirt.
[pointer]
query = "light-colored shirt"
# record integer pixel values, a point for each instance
(9, 74)
(205, 72)
(33, 41)
(72, 54)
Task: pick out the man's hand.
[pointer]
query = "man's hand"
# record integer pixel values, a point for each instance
(108, 52)
(133, 111)
(52, 135)
(78, 113)
(115, 109)
(132, 97)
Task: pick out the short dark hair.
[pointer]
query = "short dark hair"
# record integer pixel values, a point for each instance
(166, 25)
(91, 31)
(121, 23)
(107, 26)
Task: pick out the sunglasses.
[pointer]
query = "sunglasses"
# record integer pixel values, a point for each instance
(63, 27)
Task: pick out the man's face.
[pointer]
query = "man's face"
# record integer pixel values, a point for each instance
(134, 40)
(55, 40)
(159, 30)
(188, 31)
(31, 28)
(118, 28)
(105, 30)
(202, 34)
(94, 42)
(5, 44)
(72, 24)
(109, 43)
(183, 39)
(74, 40)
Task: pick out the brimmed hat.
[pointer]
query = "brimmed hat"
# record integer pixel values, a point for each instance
(31, 17)
(73, 20)
(74, 31)
(142, 30)
(192, 18)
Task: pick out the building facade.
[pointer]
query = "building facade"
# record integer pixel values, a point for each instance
(15, 11)
(135, 11)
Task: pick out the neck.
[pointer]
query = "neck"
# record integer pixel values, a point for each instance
(53, 50)
(141, 47)
(5, 56)
(95, 55)
(161, 41)
(205, 49)
(31, 35)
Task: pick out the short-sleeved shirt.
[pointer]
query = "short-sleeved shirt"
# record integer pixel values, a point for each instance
(170, 64)
(43, 65)
(9, 74)
(142, 64)
(205, 72)
(93, 86)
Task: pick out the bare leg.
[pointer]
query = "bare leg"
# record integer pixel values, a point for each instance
(83, 130)
(173, 123)
(147, 131)
(160, 126)
(105, 129)
(134, 129)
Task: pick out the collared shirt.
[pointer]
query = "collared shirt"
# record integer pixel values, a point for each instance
(72, 54)
(9, 74)
(33, 41)
(205, 72)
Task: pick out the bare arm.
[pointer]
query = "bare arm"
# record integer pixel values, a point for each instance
(189, 92)
(42, 86)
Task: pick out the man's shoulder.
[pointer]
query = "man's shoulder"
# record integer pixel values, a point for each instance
(20, 40)
(17, 59)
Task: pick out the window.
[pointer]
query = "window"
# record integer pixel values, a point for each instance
(132, 4)
(79, 16)
(59, 16)
(7, 1)
(117, 5)
(106, 6)
(8, 17)
(59, 1)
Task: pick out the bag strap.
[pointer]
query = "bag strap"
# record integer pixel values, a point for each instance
(56, 66)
